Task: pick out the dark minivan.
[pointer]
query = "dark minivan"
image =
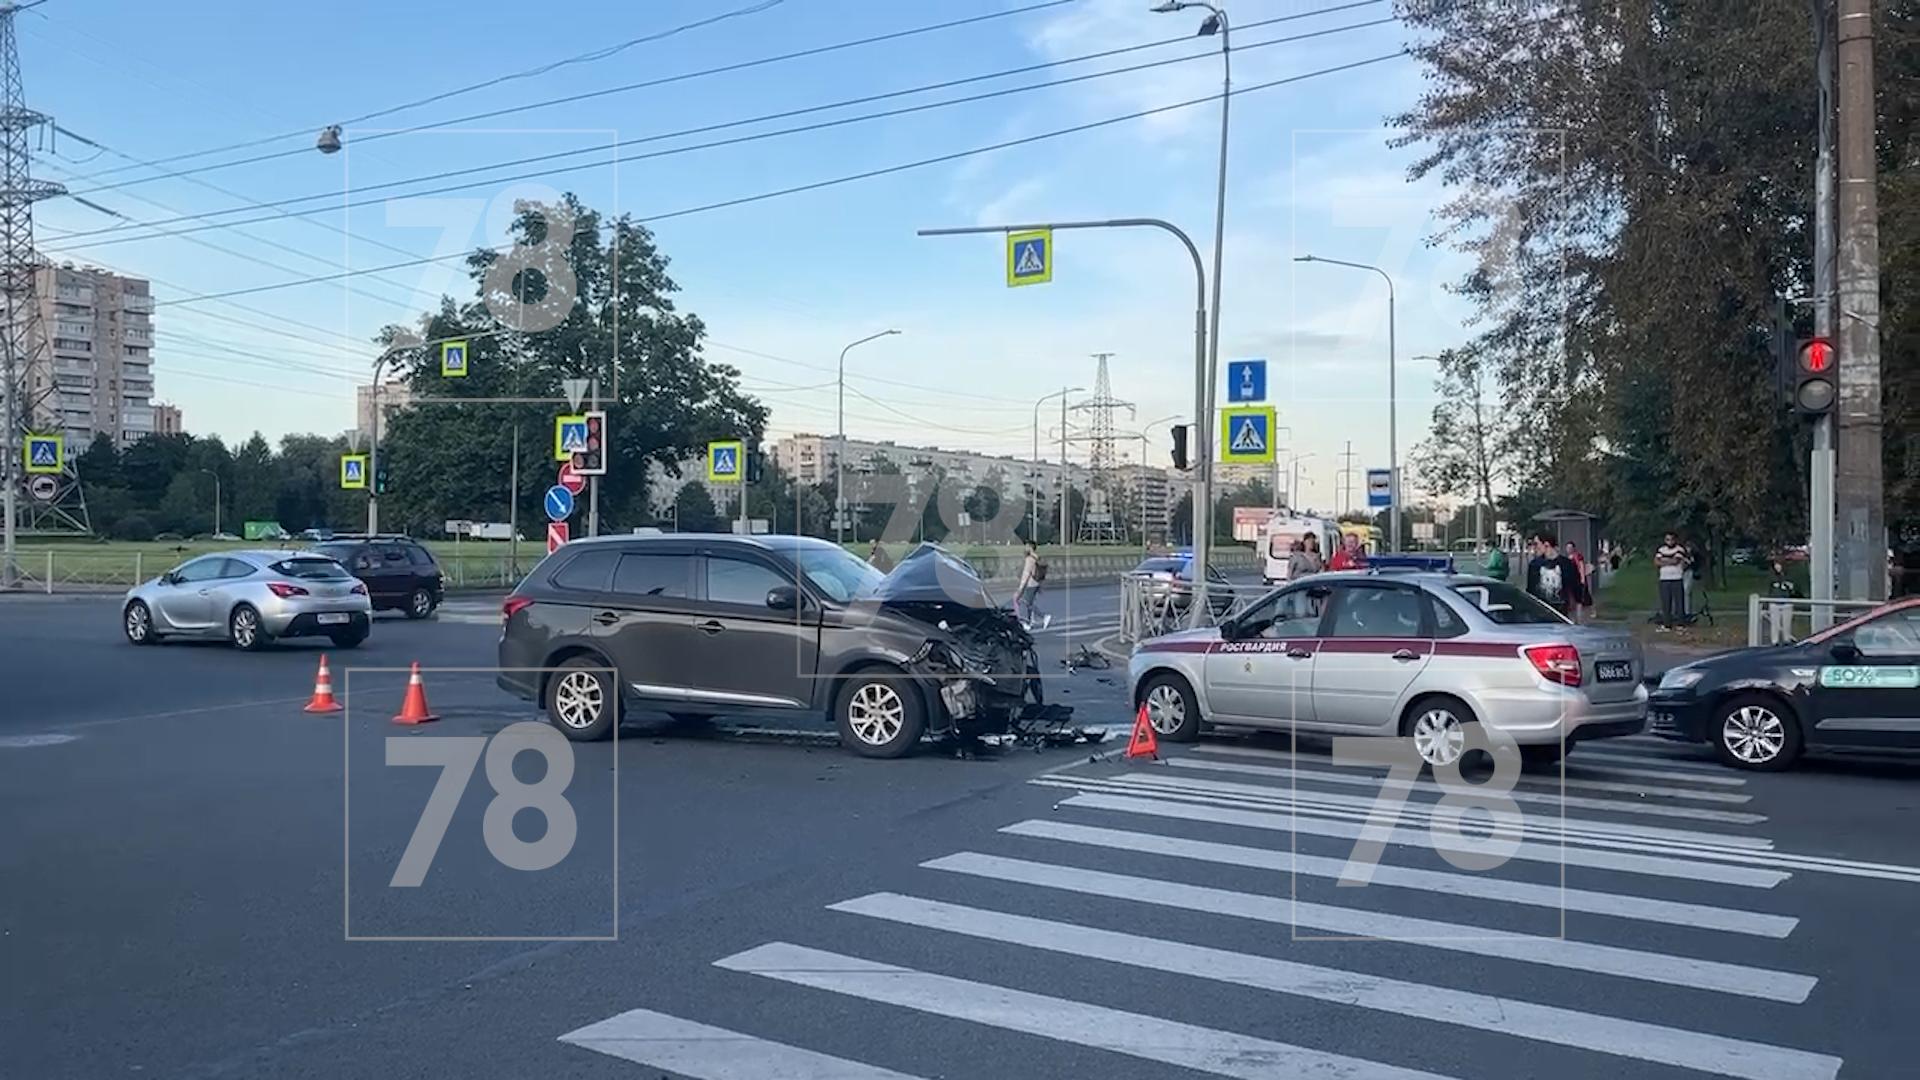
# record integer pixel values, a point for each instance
(704, 625)
(398, 571)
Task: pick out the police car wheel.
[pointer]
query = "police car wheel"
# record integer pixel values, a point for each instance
(1171, 708)
(1755, 731)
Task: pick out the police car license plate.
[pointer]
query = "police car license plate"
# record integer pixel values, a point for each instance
(331, 617)
(1613, 670)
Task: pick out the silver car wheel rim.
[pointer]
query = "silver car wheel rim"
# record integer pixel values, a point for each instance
(421, 602)
(1754, 734)
(1166, 709)
(137, 623)
(245, 625)
(577, 700)
(1439, 738)
(876, 714)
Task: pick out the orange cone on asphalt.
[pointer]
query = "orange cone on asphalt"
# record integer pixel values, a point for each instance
(1142, 744)
(323, 690)
(413, 710)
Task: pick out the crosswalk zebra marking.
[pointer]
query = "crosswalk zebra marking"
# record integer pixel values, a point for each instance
(1708, 773)
(704, 1052)
(1633, 1039)
(1632, 756)
(1576, 777)
(1198, 808)
(1478, 886)
(1150, 1038)
(1683, 971)
(1583, 769)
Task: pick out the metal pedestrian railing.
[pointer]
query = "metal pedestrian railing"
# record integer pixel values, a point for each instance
(1775, 620)
(1150, 607)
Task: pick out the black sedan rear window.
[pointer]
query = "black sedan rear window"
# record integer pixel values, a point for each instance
(311, 569)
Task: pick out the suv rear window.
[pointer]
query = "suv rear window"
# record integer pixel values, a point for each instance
(419, 556)
(1507, 604)
(311, 569)
(590, 571)
(654, 575)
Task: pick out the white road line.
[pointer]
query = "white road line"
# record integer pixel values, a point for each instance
(1188, 1046)
(1543, 798)
(1536, 827)
(1551, 854)
(1480, 1012)
(1627, 755)
(659, 1041)
(1557, 952)
(1574, 776)
(1479, 886)
(1584, 767)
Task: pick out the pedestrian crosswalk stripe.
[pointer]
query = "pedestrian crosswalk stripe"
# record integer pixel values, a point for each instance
(1551, 854)
(1481, 1012)
(1556, 951)
(1575, 779)
(1543, 798)
(1666, 763)
(1478, 886)
(659, 1041)
(1583, 769)
(1150, 1038)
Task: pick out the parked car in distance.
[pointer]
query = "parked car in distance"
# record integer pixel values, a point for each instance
(1413, 654)
(1169, 581)
(1855, 685)
(700, 625)
(316, 534)
(399, 572)
(250, 598)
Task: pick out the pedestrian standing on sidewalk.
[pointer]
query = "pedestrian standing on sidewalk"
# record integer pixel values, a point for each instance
(1671, 559)
(1551, 577)
(1351, 555)
(1033, 571)
(1304, 559)
(1582, 572)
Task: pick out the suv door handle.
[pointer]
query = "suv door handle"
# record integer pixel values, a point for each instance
(1406, 654)
(711, 626)
(606, 618)
(1299, 654)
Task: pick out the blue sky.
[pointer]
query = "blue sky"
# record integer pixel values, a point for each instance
(784, 283)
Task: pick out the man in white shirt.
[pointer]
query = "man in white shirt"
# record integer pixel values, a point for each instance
(1671, 558)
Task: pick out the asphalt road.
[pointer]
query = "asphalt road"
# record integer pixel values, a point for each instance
(195, 882)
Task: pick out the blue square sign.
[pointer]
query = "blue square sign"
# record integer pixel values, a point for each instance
(1246, 380)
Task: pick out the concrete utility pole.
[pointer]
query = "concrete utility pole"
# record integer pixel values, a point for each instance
(1860, 489)
(1820, 464)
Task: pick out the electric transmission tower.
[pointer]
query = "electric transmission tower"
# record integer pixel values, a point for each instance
(1104, 482)
(21, 338)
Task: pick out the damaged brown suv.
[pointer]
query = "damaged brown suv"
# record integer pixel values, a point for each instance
(708, 625)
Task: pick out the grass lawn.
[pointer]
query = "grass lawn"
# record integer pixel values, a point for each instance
(1633, 594)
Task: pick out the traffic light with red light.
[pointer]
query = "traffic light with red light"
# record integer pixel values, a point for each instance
(1179, 433)
(1814, 386)
(593, 460)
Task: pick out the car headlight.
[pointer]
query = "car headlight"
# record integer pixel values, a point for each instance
(1681, 678)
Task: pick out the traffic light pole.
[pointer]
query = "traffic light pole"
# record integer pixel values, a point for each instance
(1820, 553)
(1859, 488)
(593, 482)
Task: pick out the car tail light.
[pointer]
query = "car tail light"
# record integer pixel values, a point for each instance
(359, 589)
(1555, 663)
(511, 605)
(283, 590)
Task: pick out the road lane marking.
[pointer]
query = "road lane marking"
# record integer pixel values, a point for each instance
(659, 1041)
(1667, 764)
(1583, 769)
(1560, 952)
(1213, 812)
(1479, 886)
(1575, 778)
(1150, 1038)
(1480, 1012)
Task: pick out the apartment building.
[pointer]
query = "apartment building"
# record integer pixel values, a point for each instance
(166, 419)
(394, 396)
(810, 459)
(93, 370)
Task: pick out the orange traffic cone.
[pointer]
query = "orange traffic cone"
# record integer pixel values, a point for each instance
(323, 690)
(1142, 744)
(413, 710)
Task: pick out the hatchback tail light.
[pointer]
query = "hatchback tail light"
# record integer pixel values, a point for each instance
(1555, 663)
(283, 590)
(511, 605)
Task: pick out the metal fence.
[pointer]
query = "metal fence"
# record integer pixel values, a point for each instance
(1777, 620)
(1150, 608)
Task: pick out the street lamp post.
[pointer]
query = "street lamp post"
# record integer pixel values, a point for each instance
(840, 454)
(1274, 488)
(1393, 409)
(1293, 481)
(1033, 489)
(216, 499)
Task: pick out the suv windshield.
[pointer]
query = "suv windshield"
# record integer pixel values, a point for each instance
(1507, 604)
(838, 574)
(311, 569)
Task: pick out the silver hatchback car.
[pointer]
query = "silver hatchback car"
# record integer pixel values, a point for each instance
(1419, 655)
(250, 598)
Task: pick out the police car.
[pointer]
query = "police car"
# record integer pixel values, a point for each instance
(1855, 685)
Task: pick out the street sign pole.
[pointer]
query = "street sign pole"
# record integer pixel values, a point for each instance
(593, 482)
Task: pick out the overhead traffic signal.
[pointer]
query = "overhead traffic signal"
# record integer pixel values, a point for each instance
(380, 477)
(1814, 386)
(1179, 433)
(593, 460)
(756, 465)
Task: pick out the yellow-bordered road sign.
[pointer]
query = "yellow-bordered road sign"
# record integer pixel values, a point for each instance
(726, 461)
(1030, 257)
(1246, 435)
(569, 437)
(353, 472)
(453, 359)
(46, 453)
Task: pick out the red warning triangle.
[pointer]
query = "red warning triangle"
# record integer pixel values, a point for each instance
(1142, 743)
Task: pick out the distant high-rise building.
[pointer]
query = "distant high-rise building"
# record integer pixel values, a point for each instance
(166, 419)
(94, 374)
(394, 396)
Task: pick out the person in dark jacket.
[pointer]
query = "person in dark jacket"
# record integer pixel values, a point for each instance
(1552, 578)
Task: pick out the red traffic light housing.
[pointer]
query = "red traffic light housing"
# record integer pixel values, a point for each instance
(1814, 389)
(593, 460)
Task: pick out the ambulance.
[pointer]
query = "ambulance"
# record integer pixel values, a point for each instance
(1285, 529)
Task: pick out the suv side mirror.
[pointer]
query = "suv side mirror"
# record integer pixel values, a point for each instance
(1845, 651)
(783, 598)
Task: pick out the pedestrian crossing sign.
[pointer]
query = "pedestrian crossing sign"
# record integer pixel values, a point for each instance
(1246, 435)
(723, 461)
(353, 472)
(453, 359)
(1030, 257)
(46, 453)
(569, 437)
